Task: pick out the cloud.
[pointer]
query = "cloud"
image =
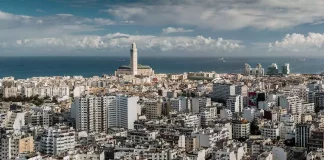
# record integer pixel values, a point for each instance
(175, 30)
(223, 14)
(298, 42)
(14, 27)
(119, 41)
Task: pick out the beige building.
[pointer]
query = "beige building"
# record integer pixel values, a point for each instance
(26, 145)
(153, 109)
(191, 143)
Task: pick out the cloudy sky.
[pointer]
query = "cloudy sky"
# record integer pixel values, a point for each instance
(162, 27)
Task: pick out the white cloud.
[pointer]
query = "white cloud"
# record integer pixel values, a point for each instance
(119, 41)
(224, 14)
(14, 27)
(298, 42)
(175, 30)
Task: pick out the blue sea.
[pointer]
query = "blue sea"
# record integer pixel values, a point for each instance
(25, 67)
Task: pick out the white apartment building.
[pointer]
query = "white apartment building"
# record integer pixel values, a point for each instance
(292, 104)
(240, 129)
(270, 130)
(188, 120)
(308, 107)
(249, 114)
(9, 145)
(10, 92)
(300, 91)
(39, 116)
(235, 151)
(235, 104)
(97, 113)
(198, 104)
(49, 91)
(13, 121)
(91, 113)
(287, 130)
(179, 104)
(226, 114)
(141, 136)
(122, 111)
(84, 156)
(209, 137)
(58, 139)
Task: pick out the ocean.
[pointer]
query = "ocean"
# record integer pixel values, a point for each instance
(26, 67)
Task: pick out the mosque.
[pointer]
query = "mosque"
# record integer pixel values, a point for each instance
(134, 68)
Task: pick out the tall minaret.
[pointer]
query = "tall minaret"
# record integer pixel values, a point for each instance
(133, 59)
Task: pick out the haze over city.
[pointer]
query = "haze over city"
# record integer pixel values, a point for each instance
(161, 28)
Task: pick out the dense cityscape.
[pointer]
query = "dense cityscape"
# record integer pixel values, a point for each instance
(137, 114)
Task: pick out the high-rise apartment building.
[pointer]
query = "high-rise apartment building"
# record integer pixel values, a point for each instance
(235, 103)
(97, 113)
(57, 139)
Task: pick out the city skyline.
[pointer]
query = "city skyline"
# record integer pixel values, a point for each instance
(161, 28)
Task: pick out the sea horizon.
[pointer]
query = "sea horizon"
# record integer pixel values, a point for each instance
(87, 66)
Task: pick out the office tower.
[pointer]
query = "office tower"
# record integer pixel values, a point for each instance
(222, 90)
(58, 139)
(286, 69)
(303, 132)
(133, 59)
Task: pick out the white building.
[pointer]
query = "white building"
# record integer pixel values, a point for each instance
(122, 111)
(141, 136)
(257, 71)
(286, 69)
(292, 104)
(97, 113)
(134, 68)
(58, 139)
(270, 130)
(240, 129)
(179, 104)
(226, 114)
(199, 104)
(10, 92)
(235, 104)
(209, 137)
(249, 114)
(235, 151)
(287, 130)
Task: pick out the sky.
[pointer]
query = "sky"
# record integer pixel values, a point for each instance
(162, 27)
